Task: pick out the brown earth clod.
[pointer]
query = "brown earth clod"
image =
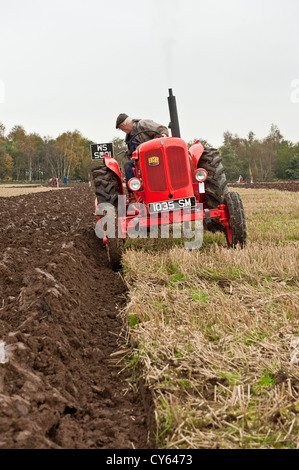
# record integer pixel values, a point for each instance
(59, 325)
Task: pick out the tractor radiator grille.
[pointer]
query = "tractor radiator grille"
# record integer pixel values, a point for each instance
(178, 170)
(156, 177)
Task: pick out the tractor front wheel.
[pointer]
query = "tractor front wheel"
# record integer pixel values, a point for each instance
(235, 232)
(115, 249)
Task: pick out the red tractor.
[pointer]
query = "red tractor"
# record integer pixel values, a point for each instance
(172, 183)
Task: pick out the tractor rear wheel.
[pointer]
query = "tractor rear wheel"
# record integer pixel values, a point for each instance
(106, 185)
(215, 184)
(107, 191)
(236, 231)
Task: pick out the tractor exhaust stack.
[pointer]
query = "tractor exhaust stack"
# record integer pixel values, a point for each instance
(174, 120)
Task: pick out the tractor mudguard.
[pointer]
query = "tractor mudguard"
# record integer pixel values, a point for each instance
(112, 164)
(196, 150)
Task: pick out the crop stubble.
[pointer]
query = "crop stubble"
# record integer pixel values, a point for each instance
(215, 331)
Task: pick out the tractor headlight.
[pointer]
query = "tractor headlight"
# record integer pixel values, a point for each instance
(200, 175)
(134, 184)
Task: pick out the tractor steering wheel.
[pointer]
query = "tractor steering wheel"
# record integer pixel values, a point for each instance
(145, 132)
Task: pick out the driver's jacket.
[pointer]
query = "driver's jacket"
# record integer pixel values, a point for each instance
(151, 128)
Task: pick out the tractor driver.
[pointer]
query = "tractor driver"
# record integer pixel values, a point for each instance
(133, 126)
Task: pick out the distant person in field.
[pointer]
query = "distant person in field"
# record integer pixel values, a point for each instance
(148, 130)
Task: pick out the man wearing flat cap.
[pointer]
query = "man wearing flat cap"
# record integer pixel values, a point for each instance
(146, 130)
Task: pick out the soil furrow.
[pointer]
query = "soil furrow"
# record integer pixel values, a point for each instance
(59, 326)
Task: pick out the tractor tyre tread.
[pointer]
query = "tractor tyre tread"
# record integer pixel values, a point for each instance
(216, 183)
(107, 190)
(106, 185)
(237, 217)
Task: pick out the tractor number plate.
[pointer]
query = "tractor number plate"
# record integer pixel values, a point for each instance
(171, 205)
(99, 151)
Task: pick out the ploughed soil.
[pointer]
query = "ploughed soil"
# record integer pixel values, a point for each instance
(61, 383)
(281, 185)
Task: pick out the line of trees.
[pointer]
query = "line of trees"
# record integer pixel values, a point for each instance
(29, 157)
(269, 158)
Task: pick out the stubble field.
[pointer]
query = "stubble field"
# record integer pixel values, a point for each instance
(215, 332)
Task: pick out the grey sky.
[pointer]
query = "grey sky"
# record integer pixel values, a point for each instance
(77, 64)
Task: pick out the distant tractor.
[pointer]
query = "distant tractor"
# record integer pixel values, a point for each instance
(169, 178)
